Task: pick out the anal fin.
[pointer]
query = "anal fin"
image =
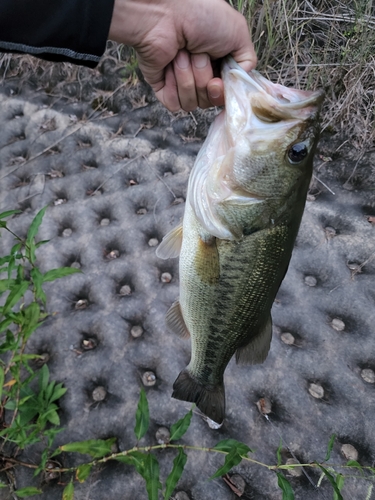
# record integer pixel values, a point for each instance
(257, 349)
(210, 400)
(175, 321)
(170, 246)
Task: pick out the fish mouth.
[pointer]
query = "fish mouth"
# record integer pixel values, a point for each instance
(271, 102)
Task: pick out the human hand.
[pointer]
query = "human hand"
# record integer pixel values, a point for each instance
(176, 43)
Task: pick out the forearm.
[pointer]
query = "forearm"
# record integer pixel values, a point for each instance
(69, 30)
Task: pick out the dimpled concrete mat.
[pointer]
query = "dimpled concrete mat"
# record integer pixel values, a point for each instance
(114, 186)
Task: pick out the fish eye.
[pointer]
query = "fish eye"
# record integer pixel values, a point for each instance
(297, 152)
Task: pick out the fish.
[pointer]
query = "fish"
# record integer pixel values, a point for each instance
(245, 199)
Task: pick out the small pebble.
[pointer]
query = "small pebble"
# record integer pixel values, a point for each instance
(310, 197)
(49, 476)
(166, 278)
(353, 266)
(162, 435)
(81, 304)
(59, 201)
(76, 265)
(349, 452)
(149, 379)
(296, 471)
(105, 222)
(330, 232)
(125, 290)
(67, 232)
(114, 448)
(264, 406)
(142, 211)
(99, 393)
(132, 182)
(239, 482)
(310, 281)
(181, 495)
(287, 338)
(43, 359)
(368, 375)
(338, 325)
(316, 391)
(113, 254)
(136, 331)
(177, 201)
(153, 242)
(94, 192)
(88, 344)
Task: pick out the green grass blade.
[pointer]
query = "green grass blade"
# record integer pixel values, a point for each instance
(330, 446)
(68, 493)
(15, 294)
(332, 480)
(97, 448)
(228, 444)
(231, 460)
(37, 278)
(29, 491)
(285, 487)
(34, 226)
(60, 272)
(151, 476)
(142, 416)
(339, 483)
(355, 464)
(181, 426)
(83, 472)
(175, 474)
(278, 453)
(3, 215)
(1, 381)
(43, 378)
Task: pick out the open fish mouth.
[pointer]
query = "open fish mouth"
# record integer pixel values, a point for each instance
(270, 102)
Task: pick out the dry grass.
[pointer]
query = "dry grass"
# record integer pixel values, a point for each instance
(300, 43)
(321, 43)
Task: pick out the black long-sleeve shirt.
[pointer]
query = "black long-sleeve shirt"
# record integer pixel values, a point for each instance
(57, 30)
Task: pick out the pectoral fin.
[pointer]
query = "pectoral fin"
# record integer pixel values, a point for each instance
(206, 260)
(170, 245)
(257, 349)
(175, 321)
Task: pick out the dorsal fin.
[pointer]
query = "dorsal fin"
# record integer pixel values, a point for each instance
(170, 246)
(257, 349)
(176, 322)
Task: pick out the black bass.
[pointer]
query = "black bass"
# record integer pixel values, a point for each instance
(245, 200)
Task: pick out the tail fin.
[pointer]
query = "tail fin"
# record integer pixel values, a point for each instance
(210, 400)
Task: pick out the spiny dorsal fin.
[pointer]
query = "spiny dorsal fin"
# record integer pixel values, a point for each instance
(257, 349)
(175, 321)
(170, 245)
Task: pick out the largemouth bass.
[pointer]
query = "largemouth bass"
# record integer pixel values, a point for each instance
(245, 200)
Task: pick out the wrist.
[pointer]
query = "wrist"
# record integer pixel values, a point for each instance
(132, 20)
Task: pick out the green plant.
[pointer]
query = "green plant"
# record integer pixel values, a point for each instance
(145, 461)
(28, 411)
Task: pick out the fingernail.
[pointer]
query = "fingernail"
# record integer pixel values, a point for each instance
(182, 60)
(215, 91)
(200, 60)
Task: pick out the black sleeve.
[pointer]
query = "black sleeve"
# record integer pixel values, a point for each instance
(57, 30)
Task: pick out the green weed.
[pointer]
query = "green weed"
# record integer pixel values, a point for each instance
(28, 399)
